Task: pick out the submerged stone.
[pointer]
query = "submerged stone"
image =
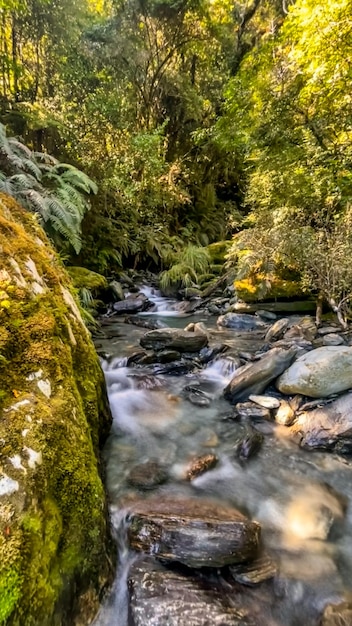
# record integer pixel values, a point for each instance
(197, 533)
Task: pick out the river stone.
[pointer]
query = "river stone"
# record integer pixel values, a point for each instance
(253, 378)
(266, 401)
(277, 330)
(321, 372)
(328, 427)
(337, 614)
(131, 305)
(332, 339)
(147, 475)
(174, 339)
(200, 465)
(285, 414)
(197, 533)
(254, 573)
(241, 321)
(252, 410)
(180, 597)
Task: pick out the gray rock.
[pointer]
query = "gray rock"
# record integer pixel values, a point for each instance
(242, 321)
(131, 305)
(253, 410)
(173, 338)
(266, 401)
(160, 597)
(197, 533)
(328, 427)
(266, 315)
(147, 475)
(116, 289)
(277, 330)
(321, 372)
(253, 378)
(332, 339)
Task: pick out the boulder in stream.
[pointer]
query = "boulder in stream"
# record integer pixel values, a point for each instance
(132, 305)
(241, 321)
(180, 597)
(319, 373)
(174, 339)
(197, 533)
(328, 427)
(253, 378)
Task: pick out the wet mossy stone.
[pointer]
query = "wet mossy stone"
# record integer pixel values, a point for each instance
(54, 540)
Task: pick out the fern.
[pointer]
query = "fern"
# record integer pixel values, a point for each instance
(55, 191)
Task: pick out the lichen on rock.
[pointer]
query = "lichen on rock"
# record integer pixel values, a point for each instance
(54, 540)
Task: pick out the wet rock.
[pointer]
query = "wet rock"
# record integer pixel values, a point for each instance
(167, 356)
(147, 475)
(314, 512)
(337, 615)
(200, 465)
(332, 339)
(253, 378)
(196, 396)
(144, 381)
(173, 338)
(266, 315)
(180, 597)
(116, 290)
(305, 329)
(254, 573)
(285, 414)
(135, 357)
(131, 305)
(249, 446)
(145, 323)
(174, 369)
(208, 353)
(321, 372)
(241, 321)
(328, 427)
(197, 533)
(252, 410)
(327, 330)
(277, 330)
(266, 401)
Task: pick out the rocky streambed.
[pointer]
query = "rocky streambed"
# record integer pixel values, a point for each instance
(228, 469)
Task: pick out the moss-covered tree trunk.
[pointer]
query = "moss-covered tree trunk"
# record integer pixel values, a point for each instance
(54, 539)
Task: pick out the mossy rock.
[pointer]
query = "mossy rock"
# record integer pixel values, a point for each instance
(82, 278)
(217, 268)
(218, 251)
(54, 538)
(260, 288)
(205, 278)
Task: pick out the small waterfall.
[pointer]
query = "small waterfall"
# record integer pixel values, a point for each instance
(166, 307)
(220, 370)
(114, 611)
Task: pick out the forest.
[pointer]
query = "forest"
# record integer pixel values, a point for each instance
(140, 132)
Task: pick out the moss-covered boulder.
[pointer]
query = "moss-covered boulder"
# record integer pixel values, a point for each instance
(54, 540)
(259, 288)
(218, 251)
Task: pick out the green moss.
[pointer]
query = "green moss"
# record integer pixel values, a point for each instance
(84, 278)
(218, 251)
(58, 536)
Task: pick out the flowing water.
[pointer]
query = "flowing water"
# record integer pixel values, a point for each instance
(296, 495)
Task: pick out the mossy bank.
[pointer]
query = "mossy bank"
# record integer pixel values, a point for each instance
(54, 538)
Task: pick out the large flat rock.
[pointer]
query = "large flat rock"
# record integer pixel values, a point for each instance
(197, 533)
(253, 378)
(319, 373)
(174, 339)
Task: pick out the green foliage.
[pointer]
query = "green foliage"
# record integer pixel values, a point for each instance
(188, 264)
(54, 191)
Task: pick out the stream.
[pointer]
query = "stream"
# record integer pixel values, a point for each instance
(291, 492)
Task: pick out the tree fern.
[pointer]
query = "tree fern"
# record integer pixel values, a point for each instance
(55, 191)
